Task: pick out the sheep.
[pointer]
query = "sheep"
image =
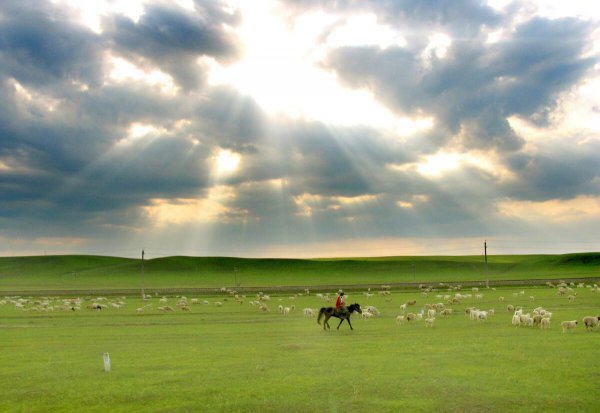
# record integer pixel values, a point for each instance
(571, 298)
(516, 320)
(411, 316)
(590, 322)
(431, 313)
(419, 316)
(446, 311)
(218, 304)
(287, 310)
(478, 296)
(280, 308)
(568, 325)
(482, 315)
(366, 315)
(403, 307)
(510, 308)
(429, 321)
(545, 323)
(309, 312)
(373, 310)
(399, 319)
(500, 298)
(411, 302)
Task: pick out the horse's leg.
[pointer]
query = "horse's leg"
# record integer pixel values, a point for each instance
(326, 322)
(349, 323)
(341, 321)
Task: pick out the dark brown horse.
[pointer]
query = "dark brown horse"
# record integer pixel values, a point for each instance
(344, 314)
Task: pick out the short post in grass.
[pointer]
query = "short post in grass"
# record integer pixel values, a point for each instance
(106, 358)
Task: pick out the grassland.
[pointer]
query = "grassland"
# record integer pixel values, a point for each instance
(96, 272)
(235, 358)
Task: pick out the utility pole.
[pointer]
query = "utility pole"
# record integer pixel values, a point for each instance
(143, 293)
(487, 282)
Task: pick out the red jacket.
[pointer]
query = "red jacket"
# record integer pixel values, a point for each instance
(339, 303)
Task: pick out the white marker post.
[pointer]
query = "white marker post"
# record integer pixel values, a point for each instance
(106, 358)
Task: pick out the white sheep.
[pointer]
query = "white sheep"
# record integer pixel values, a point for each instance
(590, 322)
(429, 321)
(403, 307)
(516, 320)
(366, 315)
(309, 312)
(373, 310)
(545, 323)
(568, 325)
(399, 319)
(431, 313)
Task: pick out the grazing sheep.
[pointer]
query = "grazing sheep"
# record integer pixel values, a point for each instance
(412, 302)
(403, 307)
(280, 308)
(287, 310)
(510, 308)
(568, 325)
(537, 320)
(431, 313)
(545, 323)
(373, 310)
(500, 299)
(571, 298)
(429, 321)
(218, 304)
(308, 312)
(366, 315)
(419, 316)
(446, 311)
(399, 319)
(411, 317)
(591, 322)
(482, 315)
(516, 320)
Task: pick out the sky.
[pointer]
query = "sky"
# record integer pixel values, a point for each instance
(299, 128)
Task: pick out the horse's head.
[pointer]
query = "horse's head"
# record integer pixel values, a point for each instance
(356, 307)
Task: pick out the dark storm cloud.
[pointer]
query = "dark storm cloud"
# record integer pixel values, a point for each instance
(40, 46)
(561, 170)
(173, 39)
(476, 86)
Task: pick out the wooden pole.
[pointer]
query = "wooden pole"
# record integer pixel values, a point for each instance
(143, 293)
(487, 281)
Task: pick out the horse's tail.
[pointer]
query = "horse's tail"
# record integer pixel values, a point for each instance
(321, 312)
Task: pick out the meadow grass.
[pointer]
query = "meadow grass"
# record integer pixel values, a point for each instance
(235, 358)
(96, 272)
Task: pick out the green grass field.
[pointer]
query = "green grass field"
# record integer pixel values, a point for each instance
(236, 358)
(94, 272)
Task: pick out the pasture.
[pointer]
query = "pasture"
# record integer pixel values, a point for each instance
(237, 358)
(96, 272)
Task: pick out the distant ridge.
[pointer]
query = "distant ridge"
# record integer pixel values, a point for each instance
(76, 272)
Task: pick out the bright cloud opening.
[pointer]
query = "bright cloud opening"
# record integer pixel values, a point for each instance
(226, 162)
(280, 69)
(123, 70)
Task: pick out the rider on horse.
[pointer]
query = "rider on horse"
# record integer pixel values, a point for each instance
(339, 303)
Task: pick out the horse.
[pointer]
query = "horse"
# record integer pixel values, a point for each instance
(329, 312)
